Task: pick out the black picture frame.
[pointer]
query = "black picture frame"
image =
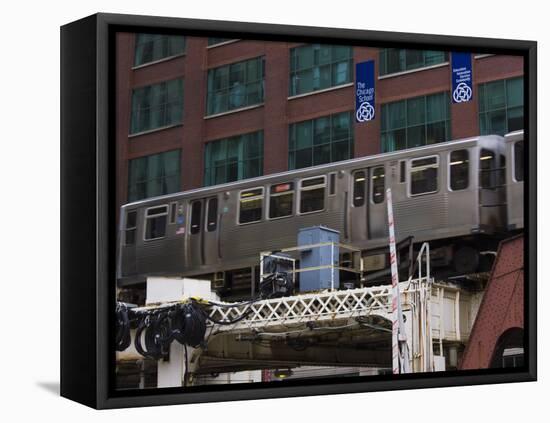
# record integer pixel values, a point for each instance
(88, 232)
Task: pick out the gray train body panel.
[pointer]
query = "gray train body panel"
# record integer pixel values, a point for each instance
(202, 233)
(514, 177)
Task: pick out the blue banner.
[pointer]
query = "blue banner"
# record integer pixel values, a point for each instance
(364, 91)
(461, 65)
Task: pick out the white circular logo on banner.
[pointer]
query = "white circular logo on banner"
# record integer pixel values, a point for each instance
(462, 93)
(365, 112)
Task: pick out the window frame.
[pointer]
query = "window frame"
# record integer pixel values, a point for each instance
(449, 174)
(445, 62)
(199, 201)
(300, 189)
(178, 122)
(410, 179)
(227, 90)
(514, 167)
(353, 182)
(162, 59)
(280, 194)
(261, 196)
(146, 219)
(371, 185)
(207, 214)
(132, 228)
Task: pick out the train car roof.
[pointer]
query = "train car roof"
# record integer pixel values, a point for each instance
(312, 170)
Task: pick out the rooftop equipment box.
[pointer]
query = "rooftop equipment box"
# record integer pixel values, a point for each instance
(313, 280)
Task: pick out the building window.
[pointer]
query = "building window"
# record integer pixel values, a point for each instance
(281, 200)
(251, 205)
(153, 47)
(394, 60)
(518, 161)
(459, 170)
(424, 175)
(501, 106)
(130, 230)
(415, 122)
(235, 86)
(312, 194)
(378, 184)
(155, 222)
(157, 106)
(235, 158)
(317, 66)
(154, 175)
(323, 140)
(217, 40)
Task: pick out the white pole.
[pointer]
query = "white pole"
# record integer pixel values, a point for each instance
(395, 287)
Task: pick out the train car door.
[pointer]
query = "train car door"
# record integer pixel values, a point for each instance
(196, 255)
(377, 217)
(210, 237)
(491, 187)
(358, 208)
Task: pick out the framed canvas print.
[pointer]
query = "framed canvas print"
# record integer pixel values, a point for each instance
(259, 211)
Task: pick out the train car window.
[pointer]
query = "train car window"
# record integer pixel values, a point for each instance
(312, 194)
(155, 222)
(173, 208)
(402, 173)
(518, 161)
(378, 178)
(487, 169)
(423, 175)
(459, 170)
(251, 205)
(196, 212)
(212, 215)
(332, 184)
(281, 200)
(130, 229)
(359, 185)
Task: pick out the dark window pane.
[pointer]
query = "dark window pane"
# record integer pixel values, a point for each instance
(459, 170)
(250, 209)
(394, 60)
(131, 219)
(154, 175)
(155, 227)
(423, 177)
(153, 47)
(212, 217)
(501, 106)
(196, 212)
(312, 200)
(518, 161)
(234, 158)
(316, 67)
(234, 86)
(359, 185)
(281, 205)
(378, 185)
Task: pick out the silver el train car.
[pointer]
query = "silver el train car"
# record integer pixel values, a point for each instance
(450, 194)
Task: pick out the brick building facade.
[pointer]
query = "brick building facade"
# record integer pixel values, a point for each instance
(195, 111)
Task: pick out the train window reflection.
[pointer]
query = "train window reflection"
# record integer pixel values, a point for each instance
(281, 200)
(423, 175)
(459, 166)
(518, 161)
(130, 235)
(251, 205)
(196, 211)
(378, 184)
(212, 215)
(155, 222)
(359, 186)
(312, 194)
